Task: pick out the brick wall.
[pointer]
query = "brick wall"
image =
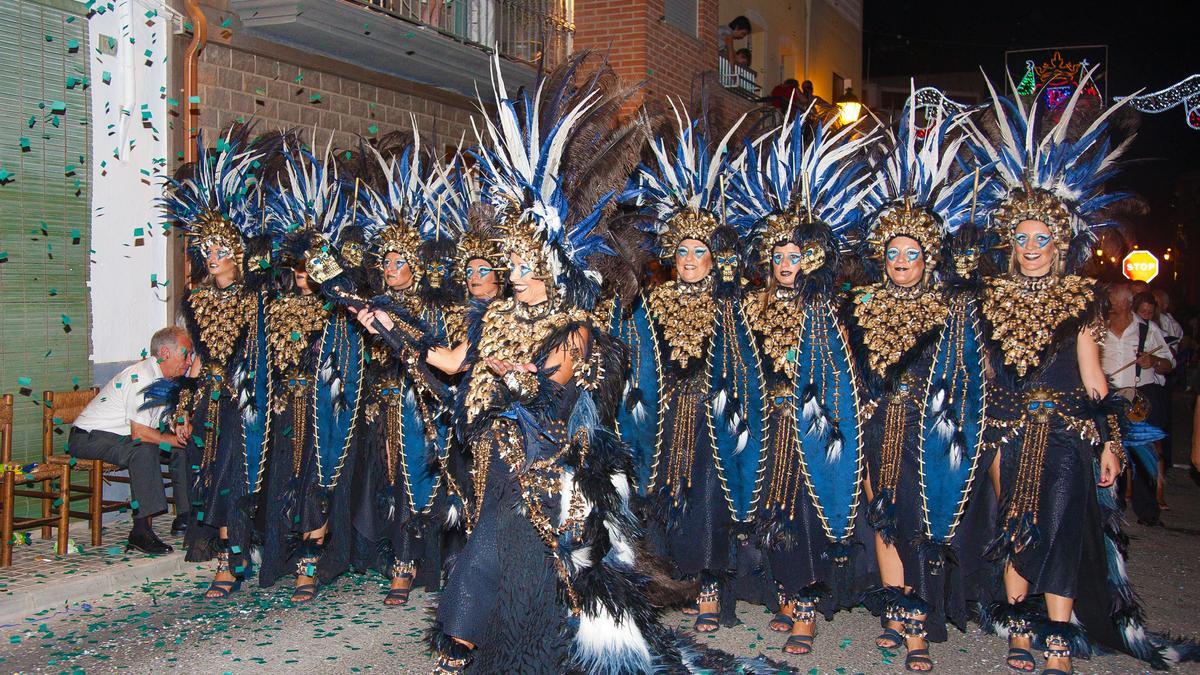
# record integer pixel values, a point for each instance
(643, 48)
(237, 84)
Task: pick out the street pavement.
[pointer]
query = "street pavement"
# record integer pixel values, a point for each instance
(166, 624)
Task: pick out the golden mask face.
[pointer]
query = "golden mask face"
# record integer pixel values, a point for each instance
(352, 251)
(727, 262)
(812, 258)
(321, 265)
(965, 261)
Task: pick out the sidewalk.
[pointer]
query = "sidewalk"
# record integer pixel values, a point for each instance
(41, 583)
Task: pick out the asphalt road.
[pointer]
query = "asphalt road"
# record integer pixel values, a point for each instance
(167, 625)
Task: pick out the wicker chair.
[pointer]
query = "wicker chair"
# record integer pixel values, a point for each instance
(11, 476)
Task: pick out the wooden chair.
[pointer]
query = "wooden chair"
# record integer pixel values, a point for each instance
(11, 476)
(59, 410)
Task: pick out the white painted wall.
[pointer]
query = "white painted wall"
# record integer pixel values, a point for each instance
(129, 150)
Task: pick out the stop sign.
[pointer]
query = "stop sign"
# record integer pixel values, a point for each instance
(1140, 265)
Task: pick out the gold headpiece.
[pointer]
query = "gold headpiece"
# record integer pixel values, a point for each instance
(520, 238)
(400, 239)
(1039, 205)
(472, 245)
(903, 220)
(213, 229)
(782, 227)
(697, 225)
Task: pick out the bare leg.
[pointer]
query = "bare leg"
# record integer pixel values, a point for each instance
(1059, 609)
(224, 574)
(316, 537)
(994, 473)
(1016, 587)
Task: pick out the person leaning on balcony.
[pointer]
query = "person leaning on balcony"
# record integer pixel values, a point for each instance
(737, 29)
(115, 428)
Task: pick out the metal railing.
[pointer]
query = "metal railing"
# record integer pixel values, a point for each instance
(526, 30)
(738, 79)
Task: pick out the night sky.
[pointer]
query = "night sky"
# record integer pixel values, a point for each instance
(1151, 45)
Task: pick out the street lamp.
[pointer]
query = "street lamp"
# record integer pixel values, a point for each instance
(849, 107)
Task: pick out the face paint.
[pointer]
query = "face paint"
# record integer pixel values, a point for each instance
(912, 254)
(893, 253)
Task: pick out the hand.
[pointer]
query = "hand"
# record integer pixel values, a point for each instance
(183, 432)
(1145, 361)
(1110, 466)
(367, 318)
(384, 319)
(502, 368)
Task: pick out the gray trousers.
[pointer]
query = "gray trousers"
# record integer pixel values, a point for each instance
(143, 462)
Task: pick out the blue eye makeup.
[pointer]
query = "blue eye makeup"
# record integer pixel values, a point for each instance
(777, 258)
(893, 253)
(1042, 240)
(794, 258)
(394, 264)
(681, 252)
(912, 254)
(482, 271)
(525, 270)
(699, 251)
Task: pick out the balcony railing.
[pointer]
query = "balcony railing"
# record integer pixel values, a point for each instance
(738, 79)
(525, 30)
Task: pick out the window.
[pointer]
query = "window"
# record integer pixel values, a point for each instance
(45, 161)
(682, 14)
(839, 86)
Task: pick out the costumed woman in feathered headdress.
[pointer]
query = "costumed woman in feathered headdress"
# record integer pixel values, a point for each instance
(711, 416)
(211, 201)
(480, 267)
(1059, 426)
(800, 196)
(548, 581)
(317, 360)
(901, 328)
(403, 508)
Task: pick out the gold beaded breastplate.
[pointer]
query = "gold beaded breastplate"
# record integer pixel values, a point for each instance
(892, 318)
(1025, 314)
(684, 313)
(222, 315)
(779, 322)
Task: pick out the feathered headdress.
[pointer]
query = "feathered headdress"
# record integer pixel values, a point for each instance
(312, 208)
(212, 200)
(683, 190)
(1057, 177)
(397, 210)
(522, 167)
(460, 203)
(794, 181)
(918, 192)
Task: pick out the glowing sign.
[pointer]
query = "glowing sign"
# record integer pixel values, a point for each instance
(1140, 266)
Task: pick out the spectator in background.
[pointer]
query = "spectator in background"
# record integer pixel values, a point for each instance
(737, 29)
(1171, 328)
(1136, 359)
(117, 428)
(743, 57)
(784, 93)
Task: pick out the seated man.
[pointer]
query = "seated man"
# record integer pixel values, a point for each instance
(114, 428)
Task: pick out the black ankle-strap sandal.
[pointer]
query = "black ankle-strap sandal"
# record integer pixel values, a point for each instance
(220, 589)
(708, 622)
(401, 570)
(1057, 647)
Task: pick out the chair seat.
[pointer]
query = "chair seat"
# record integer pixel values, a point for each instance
(40, 473)
(82, 464)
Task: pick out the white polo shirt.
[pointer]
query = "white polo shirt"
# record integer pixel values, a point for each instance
(119, 401)
(1119, 350)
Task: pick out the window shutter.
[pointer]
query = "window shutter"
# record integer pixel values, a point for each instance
(683, 14)
(45, 148)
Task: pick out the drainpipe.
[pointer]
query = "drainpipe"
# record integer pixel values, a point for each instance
(191, 111)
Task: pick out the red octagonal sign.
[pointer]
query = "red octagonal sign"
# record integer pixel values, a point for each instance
(1140, 265)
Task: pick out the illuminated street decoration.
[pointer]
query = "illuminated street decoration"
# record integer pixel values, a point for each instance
(1058, 78)
(930, 106)
(1186, 92)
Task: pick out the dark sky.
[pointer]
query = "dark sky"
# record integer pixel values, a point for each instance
(1151, 45)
